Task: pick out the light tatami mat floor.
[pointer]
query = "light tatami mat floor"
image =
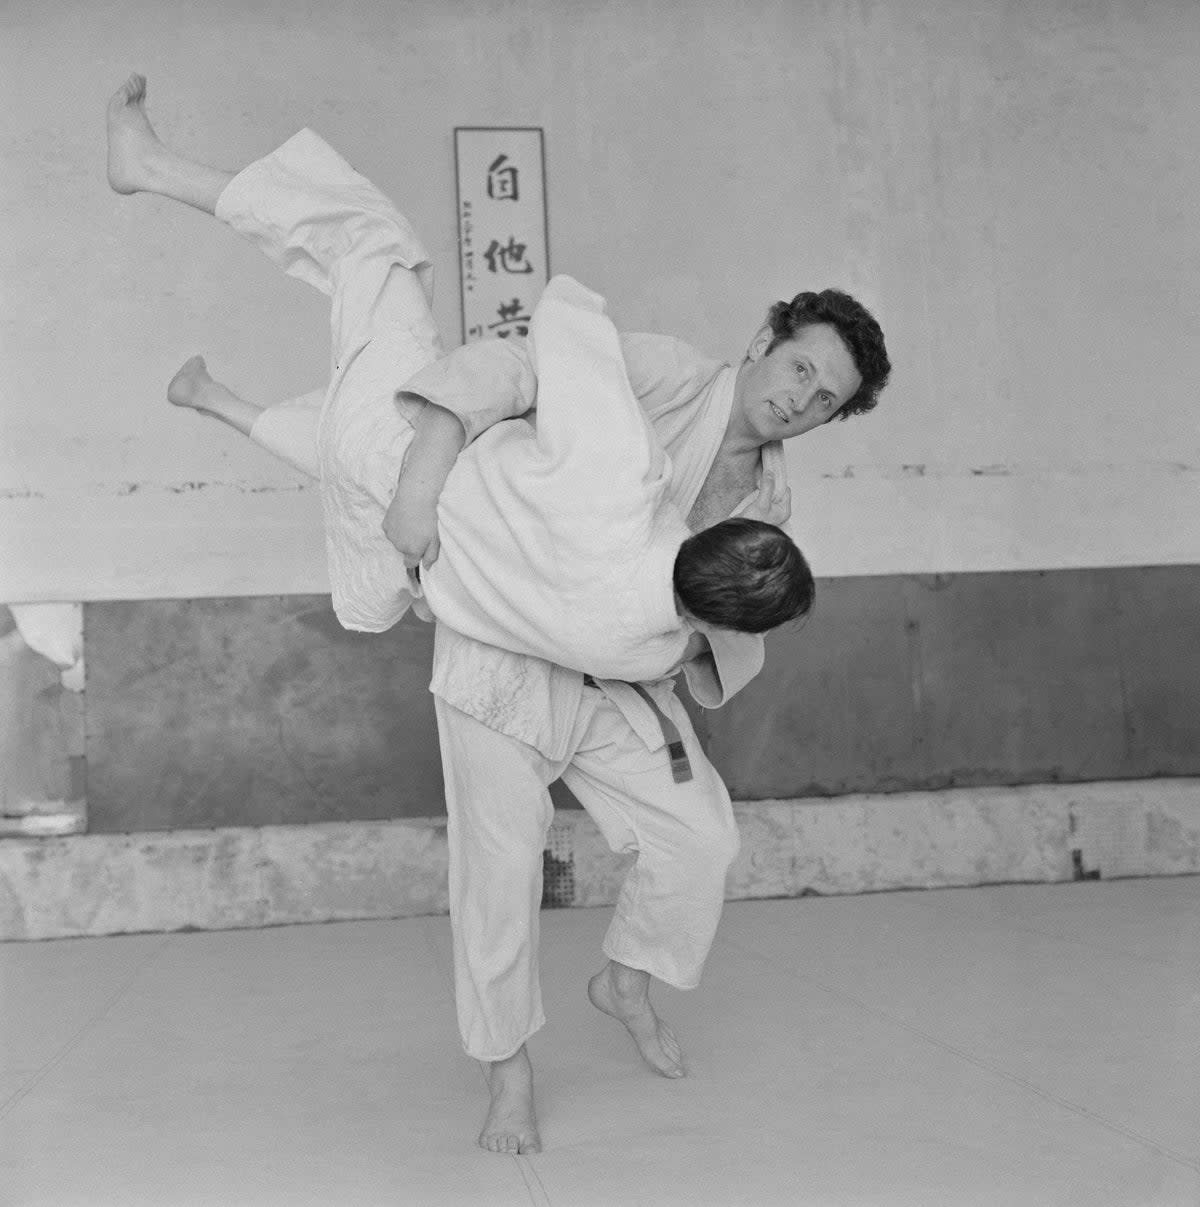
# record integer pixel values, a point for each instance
(1000, 1046)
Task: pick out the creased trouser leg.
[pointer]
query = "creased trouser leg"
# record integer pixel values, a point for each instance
(498, 813)
(685, 836)
(310, 213)
(306, 209)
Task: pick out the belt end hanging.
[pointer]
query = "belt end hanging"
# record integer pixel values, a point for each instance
(681, 769)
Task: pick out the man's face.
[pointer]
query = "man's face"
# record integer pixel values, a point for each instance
(798, 385)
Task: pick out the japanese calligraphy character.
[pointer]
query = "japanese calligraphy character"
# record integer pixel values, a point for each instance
(502, 181)
(512, 321)
(511, 256)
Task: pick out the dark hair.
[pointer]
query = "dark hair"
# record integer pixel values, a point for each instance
(859, 331)
(743, 574)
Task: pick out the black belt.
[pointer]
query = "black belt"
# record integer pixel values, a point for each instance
(681, 768)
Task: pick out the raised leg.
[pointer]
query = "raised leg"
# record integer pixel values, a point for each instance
(194, 388)
(685, 837)
(623, 993)
(140, 162)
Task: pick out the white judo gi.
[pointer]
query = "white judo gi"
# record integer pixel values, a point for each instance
(560, 543)
(509, 723)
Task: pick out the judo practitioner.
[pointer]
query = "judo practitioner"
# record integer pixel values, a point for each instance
(558, 541)
(510, 723)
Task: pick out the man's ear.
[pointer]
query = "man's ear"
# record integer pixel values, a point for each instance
(760, 342)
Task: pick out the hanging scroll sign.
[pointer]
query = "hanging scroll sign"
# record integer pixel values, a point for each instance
(503, 248)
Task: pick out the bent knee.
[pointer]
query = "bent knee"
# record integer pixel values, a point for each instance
(712, 848)
(729, 844)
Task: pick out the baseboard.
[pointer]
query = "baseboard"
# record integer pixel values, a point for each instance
(101, 884)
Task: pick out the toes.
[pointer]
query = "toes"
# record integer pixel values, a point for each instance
(131, 91)
(506, 1142)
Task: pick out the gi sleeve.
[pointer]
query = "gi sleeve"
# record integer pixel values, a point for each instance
(482, 383)
(604, 463)
(494, 379)
(665, 373)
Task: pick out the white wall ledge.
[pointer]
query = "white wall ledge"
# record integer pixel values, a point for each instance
(101, 884)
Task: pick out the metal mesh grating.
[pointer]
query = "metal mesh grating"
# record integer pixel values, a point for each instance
(558, 868)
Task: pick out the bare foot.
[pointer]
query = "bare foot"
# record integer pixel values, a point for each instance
(191, 386)
(132, 143)
(510, 1126)
(624, 993)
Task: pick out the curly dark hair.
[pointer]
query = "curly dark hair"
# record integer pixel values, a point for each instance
(743, 574)
(856, 325)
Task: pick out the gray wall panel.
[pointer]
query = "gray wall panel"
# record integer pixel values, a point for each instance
(932, 681)
(222, 712)
(256, 711)
(1157, 627)
(835, 708)
(1021, 678)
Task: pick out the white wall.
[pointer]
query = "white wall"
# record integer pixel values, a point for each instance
(1010, 186)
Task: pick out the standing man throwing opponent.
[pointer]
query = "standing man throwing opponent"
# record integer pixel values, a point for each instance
(511, 723)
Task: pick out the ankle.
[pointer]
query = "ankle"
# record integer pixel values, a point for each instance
(154, 166)
(518, 1062)
(626, 981)
(210, 396)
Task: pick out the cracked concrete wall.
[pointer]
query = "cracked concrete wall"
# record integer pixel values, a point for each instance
(1011, 186)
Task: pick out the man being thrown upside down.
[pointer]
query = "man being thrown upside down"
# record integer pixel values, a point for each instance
(575, 565)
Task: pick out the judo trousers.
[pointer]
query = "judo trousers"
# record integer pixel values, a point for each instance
(683, 836)
(309, 213)
(307, 210)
